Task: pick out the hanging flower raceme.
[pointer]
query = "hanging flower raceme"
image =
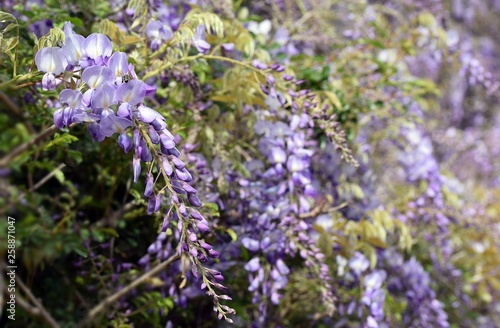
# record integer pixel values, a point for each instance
(52, 62)
(277, 194)
(112, 104)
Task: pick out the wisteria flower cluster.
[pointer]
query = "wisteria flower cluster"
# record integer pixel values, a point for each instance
(113, 101)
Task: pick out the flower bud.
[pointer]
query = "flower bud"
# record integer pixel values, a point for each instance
(166, 221)
(196, 215)
(136, 164)
(149, 185)
(188, 188)
(182, 174)
(259, 65)
(174, 152)
(151, 204)
(155, 138)
(219, 278)
(213, 253)
(166, 166)
(146, 153)
(154, 247)
(137, 137)
(202, 258)
(182, 210)
(158, 125)
(166, 142)
(125, 142)
(158, 200)
(194, 252)
(205, 245)
(270, 79)
(228, 47)
(178, 163)
(194, 200)
(202, 226)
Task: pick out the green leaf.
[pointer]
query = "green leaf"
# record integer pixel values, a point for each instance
(75, 21)
(5, 17)
(232, 234)
(136, 194)
(109, 231)
(334, 99)
(59, 175)
(80, 250)
(9, 27)
(64, 139)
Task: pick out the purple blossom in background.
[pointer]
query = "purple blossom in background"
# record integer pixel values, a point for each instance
(273, 229)
(158, 33)
(410, 279)
(374, 296)
(358, 263)
(41, 27)
(199, 40)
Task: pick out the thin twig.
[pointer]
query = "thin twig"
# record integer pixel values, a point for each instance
(43, 313)
(321, 210)
(23, 147)
(34, 311)
(47, 177)
(122, 292)
(115, 216)
(14, 109)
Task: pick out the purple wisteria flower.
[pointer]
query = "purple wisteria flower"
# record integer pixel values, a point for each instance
(72, 47)
(358, 263)
(94, 77)
(41, 27)
(409, 279)
(158, 33)
(98, 49)
(114, 124)
(118, 63)
(51, 61)
(199, 40)
(113, 104)
(279, 192)
(103, 98)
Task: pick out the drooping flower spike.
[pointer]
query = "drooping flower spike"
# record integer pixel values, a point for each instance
(113, 104)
